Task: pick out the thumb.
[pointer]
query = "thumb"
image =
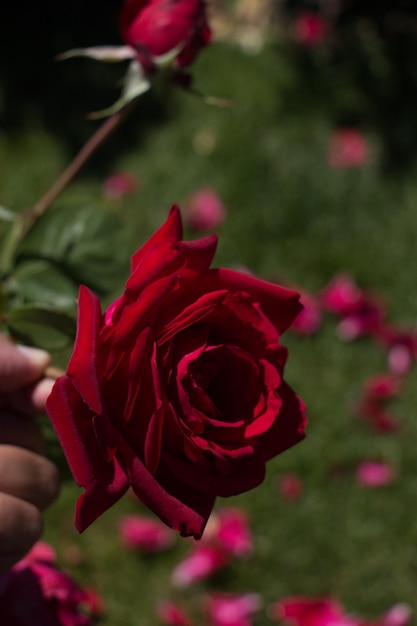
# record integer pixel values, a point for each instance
(20, 365)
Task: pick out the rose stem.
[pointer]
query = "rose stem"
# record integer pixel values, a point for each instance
(53, 372)
(101, 134)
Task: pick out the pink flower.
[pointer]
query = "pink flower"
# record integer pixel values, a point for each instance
(233, 610)
(375, 474)
(364, 323)
(41, 551)
(233, 533)
(381, 420)
(172, 615)
(399, 359)
(120, 185)
(35, 593)
(201, 563)
(310, 29)
(361, 313)
(341, 296)
(93, 602)
(145, 534)
(308, 321)
(204, 210)
(401, 346)
(397, 615)
(382, 387)
(347, 148)
(304, 611)
(290, 486)
(377, 392)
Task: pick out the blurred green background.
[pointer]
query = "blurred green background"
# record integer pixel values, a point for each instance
(290, 217)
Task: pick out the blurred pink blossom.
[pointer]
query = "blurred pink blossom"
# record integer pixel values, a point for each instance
(399, 359)
(290, 486)
(308, 321)
(35, 593)
(347, 148)
(233, 610)
(41, 551)
(398, 615)
(305, 611)
(382, 387)
(119, 185)
(363, 323)
(310, 28)
(361, 313)
(342, 295)
(401, 346)
(145, 534)
(203, 561)
(374, 474)
(170, 614)
(94, 602)
(233, 533)
(204, 210)
(377, 392)
(382, 421)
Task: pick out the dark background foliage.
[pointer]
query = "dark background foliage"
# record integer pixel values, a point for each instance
(58, 95)
(366, 68)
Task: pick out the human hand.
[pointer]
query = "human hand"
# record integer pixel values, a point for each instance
(28, 481)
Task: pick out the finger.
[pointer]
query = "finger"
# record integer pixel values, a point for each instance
(20, 527)
(30, 399)
(20, 365)
(17, 429)
(28, 476)
(40, 393)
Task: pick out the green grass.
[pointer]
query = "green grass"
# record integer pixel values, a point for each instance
(289, 217)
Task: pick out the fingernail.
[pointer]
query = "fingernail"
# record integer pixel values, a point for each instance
(39, 358)
(40, 394)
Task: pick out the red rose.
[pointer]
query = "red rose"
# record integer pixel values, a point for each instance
(177, 390)
(156, 27)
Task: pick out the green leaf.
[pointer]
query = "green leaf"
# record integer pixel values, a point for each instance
(6, 215)
(87, 245)
(9, 244)
(135, 84)
(42, 327)
(166, 60)
(43, 283)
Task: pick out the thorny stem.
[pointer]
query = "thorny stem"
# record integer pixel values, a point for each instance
(31, 216)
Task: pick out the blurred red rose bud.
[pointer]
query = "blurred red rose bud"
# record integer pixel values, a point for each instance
(119, 185)
(347, 148)
(310, 29)
(156, 28)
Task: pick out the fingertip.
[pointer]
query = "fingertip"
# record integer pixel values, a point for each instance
(52, 485)
(28, 476)
(40, 394)
(20, 365)
(39, 359)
